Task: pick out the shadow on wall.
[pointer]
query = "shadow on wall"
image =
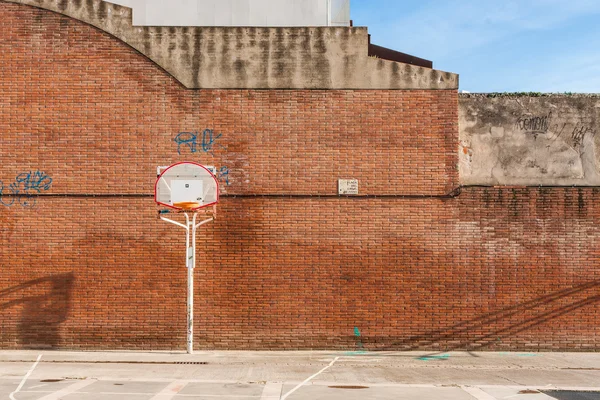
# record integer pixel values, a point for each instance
(45, 303)
(488, 331)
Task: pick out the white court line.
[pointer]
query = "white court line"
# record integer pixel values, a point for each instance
(309, 379)
(195, 396)
(68, 390)
(25, 378)
(477, 393)
(272, 391)
(170, 391)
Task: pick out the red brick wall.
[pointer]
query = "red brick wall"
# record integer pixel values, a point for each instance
(76, 99)
(489, 268)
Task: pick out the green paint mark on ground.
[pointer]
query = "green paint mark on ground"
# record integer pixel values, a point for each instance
(356, 353)
(434, 358)
(518, 355)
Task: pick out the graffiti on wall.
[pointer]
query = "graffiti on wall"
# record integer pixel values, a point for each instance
(203, 143)
(573, 133)
(579, 132)
(223, 175)
(529, 141)
(196, 142)
(25, 189)
(534, 125)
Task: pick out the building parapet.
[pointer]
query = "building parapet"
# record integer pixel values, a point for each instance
(255, 57)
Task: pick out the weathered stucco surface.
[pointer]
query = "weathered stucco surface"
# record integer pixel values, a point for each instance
(520, 140)
(255, 58)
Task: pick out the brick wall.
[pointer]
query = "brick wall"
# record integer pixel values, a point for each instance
(287, 264)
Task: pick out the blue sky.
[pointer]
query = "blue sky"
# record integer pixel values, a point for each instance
(495, 46)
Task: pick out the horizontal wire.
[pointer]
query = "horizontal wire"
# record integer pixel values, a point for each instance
(453, 194)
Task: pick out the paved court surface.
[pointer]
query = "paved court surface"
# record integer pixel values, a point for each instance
(298, 376)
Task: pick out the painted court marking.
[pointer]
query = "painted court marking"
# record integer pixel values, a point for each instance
(477, 393)
(11, 396)
(170, 391)
(272, 391)
(310, 379)
(68, 390)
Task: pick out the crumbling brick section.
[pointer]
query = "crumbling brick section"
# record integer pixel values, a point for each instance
(412, 263)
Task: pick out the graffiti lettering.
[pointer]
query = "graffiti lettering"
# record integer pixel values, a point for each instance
(579, 133)
(223, 175)
(25, 189)
(534, 125)
(572, 132)
(190, 140)
(7, 196)
(186, 139)
(36, 181)
(208, 140)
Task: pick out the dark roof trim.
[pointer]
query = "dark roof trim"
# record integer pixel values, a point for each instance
(392, 55)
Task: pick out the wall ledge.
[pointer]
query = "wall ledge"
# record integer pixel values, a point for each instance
(255, 58)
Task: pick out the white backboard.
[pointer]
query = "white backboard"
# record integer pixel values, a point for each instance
(186, 183)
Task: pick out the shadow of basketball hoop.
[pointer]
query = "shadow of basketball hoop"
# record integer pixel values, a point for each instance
(45, 304)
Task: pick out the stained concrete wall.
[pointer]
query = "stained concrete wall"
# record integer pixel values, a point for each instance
(238, 12)
(533, 141)
(255, 58)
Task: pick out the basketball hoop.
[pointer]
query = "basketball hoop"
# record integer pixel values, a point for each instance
(187, 205)
(191, 189)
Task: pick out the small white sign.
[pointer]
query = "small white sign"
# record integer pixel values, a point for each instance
(348, 186)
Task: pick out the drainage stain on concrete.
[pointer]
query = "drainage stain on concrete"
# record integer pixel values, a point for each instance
(349, 387)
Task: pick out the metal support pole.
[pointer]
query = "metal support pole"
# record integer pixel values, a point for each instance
(190, 263)
(190, 260)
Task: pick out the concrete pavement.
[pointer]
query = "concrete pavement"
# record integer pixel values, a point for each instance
(295, 375)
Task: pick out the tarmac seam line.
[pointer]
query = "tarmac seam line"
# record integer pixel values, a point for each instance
(477, 393)
(272, 391)
(68, 390)
(170, 391)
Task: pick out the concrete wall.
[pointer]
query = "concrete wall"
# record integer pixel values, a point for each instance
(280, 13)
(522, 140)
(255, 58)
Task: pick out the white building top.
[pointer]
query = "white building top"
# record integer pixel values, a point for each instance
(259, 13)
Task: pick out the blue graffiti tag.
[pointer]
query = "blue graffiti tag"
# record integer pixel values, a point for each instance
(10, 193)
(190, 139)
(209, 139)
(223, 175)
(37, 181)
(208, 145)
(25, 188)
